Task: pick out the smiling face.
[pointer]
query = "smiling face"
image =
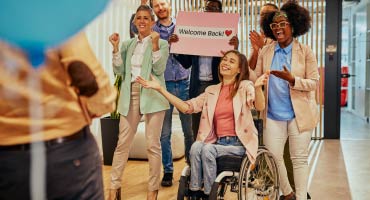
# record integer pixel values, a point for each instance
(229, 66)
(282, 30)
(161, 9)
(144, 22)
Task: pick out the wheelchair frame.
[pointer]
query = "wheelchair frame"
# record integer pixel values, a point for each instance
(252, 181)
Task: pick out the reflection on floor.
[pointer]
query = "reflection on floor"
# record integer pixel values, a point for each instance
(342, 167)
(352, 127)
(339, 169)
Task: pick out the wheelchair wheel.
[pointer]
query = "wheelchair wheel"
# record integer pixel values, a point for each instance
(261, 180)
(182, 192)
(226, 188)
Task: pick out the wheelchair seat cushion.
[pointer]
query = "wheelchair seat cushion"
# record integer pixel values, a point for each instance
(229, 163)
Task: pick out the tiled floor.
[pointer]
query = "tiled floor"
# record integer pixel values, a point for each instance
(342, 167)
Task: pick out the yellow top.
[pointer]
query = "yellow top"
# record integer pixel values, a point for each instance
(60, 113)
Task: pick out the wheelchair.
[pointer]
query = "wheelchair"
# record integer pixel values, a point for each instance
(238, 178)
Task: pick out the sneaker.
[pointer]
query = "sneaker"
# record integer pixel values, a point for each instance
(167, 180)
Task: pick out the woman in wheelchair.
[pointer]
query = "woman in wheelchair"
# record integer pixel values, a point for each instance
(226, 126)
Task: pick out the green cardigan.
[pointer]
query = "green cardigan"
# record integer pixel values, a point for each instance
(150, 100)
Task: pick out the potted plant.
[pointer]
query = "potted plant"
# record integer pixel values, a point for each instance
(110, 128)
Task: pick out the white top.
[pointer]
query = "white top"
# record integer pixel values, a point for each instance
(137, 57)
(205, 68)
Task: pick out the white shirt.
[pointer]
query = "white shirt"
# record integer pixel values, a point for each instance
(205, 68)
(137, 57)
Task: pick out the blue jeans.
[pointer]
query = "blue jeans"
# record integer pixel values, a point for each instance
(181, 90)
(203, 161)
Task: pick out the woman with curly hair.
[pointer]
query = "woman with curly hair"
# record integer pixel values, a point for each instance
(291, 111)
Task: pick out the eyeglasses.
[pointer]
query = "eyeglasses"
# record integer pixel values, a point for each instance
(281, 24)
(211, 9)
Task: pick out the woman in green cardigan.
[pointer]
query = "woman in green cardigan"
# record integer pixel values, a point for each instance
(142, 56)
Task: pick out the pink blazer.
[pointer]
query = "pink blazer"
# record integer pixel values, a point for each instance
(244, 126)
(304, 68)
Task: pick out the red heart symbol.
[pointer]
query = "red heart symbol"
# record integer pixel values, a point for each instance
(228, 32)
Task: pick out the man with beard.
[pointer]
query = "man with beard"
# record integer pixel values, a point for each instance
(177, 83)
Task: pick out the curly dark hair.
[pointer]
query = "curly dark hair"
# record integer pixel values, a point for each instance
(298, 17)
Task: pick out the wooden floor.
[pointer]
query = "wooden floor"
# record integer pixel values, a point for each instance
(134, 184)
(340, 168)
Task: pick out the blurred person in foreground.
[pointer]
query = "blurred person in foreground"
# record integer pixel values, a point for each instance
(73, 88)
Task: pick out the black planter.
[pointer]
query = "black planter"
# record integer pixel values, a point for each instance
(109, 133)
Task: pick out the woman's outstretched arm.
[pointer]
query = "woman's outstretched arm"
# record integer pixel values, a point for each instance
(154, 84)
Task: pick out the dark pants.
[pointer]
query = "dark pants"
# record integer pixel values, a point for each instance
(73, 171)
(289, 165)
(181, 90)
(195, 118)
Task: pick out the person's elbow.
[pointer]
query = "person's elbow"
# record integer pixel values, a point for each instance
(259, 105)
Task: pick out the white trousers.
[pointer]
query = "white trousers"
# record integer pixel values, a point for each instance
(275, 136)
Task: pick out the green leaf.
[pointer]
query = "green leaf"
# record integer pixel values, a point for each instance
(117, 84)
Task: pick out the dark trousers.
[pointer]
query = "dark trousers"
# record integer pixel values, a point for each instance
(195, 118)
(289, 165)
(73, 171)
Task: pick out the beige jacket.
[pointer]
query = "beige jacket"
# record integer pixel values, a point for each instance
(305, 70)
(244, 125)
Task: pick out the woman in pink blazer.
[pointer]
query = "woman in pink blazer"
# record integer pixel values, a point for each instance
(226, 126)
(291, 111)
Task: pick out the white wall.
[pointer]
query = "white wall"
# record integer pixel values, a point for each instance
(115, 19)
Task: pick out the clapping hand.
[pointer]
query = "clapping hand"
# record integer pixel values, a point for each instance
(153, 83)
(284, 74)
(257, 40)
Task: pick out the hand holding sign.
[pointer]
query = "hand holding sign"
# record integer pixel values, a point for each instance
(234, 41)
(173, 38)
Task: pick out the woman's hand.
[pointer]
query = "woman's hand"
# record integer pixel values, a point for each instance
(153, 83)
(262, 80)
(155, 40)
(114, 40)
(257, 40)
(284, 74)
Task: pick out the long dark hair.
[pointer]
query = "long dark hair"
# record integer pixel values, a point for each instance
(244, 71)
